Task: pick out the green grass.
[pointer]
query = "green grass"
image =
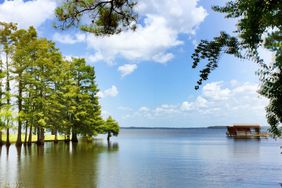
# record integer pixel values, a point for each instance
(13, 138)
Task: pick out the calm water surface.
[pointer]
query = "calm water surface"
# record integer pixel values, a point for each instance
(165, 158)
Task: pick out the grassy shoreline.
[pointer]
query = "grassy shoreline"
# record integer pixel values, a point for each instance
(47, 138)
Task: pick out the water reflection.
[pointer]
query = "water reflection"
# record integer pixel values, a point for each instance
(245, 148)
(146, 158)
(54, 165)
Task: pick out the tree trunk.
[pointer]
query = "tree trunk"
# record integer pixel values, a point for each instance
(74, 136)
(56, 137)
(25, 134)
(19, 139)
(40, 136)
(8, 99)
(8, 137)
(1, 141)
(30, 136)
(109, 136)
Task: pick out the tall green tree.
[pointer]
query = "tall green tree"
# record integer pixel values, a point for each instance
(111, 128)
(23, 40)
(59, 123)
(48, 58)
(105, 17)
(259, 24)
(85, 114)
(6, 30)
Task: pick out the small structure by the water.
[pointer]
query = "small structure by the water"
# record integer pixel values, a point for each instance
(245, 131)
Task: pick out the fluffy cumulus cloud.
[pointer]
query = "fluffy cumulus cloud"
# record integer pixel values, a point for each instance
(162, 58)
(219, 103)
(182, 15)
(69, 39)
(27, 13)
(157, 32)
(215, 91)
(148, 42)
(127, 69)
(111, 92)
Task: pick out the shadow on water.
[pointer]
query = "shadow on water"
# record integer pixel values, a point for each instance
(54, 165)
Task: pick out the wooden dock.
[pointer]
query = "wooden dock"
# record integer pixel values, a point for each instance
(245, 131)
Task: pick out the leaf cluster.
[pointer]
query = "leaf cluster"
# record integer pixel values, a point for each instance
(101, 17)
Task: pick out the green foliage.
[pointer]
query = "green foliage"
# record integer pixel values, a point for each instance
(211, 51)
(83, 106)
(259, 24)
(105, 17)
(111, 126)
(51, 93)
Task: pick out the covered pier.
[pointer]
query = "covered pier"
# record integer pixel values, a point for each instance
(245, 131)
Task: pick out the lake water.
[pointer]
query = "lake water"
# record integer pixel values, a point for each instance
(165, 158)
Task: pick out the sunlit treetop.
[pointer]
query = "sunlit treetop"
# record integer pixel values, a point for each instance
(100, 17)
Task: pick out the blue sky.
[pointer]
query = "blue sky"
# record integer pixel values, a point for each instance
(145, 77)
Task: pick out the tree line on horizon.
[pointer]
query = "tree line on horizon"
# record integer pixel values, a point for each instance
(42, 91)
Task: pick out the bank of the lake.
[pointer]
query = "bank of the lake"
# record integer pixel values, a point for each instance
(146, 158)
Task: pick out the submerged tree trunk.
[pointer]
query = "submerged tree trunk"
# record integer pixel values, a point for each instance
(40, 136)
(30, 136)
(8, 137)
(56, 137)
(109, 136)
(74, 136)
(25, 134)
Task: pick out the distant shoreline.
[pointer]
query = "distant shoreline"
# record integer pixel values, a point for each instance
(209, 127)
(212, 127)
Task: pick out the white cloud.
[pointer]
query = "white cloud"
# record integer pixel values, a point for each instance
(217, 104)
(182, 15)
(200, 103)
(214, 90)
(157, 33)
(144, 109)
(245, 88)
(27, 13)
(127, 69)
(95, 58)
(69, 39)
(165, 109)
(152, 39)
(186, 106)
(162, 58)
(111, 92)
